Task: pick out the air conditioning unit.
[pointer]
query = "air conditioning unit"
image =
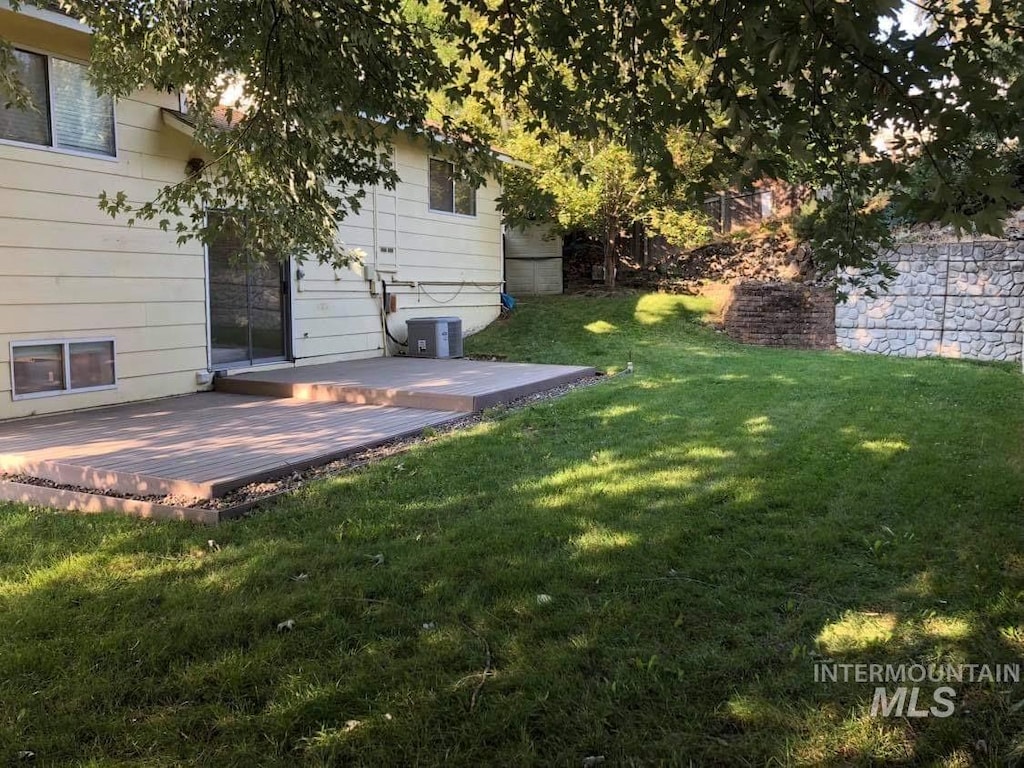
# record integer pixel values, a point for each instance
(435, 336)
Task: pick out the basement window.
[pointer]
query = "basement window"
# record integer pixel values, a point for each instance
(69, 115)
(41, 368)
(448, 192)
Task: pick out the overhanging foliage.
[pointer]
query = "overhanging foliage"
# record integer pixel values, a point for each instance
(792, 88)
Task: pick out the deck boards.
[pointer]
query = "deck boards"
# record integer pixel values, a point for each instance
(207, 444)
(458, 385)
(198, 445)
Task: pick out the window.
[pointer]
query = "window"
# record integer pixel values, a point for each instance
(449, 193)
(91, 364)
(29, 126)
(38, 368)
(56, 367)
(69, 113)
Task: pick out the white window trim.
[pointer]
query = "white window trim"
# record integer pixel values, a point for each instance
(66, 352)
(442, 211)
(51, 147)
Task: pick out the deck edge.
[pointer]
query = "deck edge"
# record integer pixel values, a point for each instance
(94, 503)
(99, 479)
(507, 395)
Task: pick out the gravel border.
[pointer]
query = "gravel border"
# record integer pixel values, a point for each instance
(255, 493)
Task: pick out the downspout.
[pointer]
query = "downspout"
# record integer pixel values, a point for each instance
(504, 288)
(384, 325)
(384, 298)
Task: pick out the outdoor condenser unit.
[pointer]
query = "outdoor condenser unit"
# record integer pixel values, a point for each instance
(435, 336)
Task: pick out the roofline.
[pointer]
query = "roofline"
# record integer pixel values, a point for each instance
(442, 138)
(429, 130)
(178, 121)
(181, 122)
(53, 17)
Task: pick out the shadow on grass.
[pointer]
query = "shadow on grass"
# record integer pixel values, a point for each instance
(644, 570)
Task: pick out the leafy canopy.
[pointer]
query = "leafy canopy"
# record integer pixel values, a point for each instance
(596, 186)
(319, 89)
(794, 88)
(774, 89)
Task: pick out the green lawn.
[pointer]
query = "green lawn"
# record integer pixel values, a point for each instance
(703, 531)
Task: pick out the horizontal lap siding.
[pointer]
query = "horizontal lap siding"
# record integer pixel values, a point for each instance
(532, 242)
(334, 313)
(67, 270)
(445, 247)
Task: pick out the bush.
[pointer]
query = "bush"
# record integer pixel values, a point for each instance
(681, 228)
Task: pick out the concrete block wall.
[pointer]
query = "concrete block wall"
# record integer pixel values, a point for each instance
(958, 299)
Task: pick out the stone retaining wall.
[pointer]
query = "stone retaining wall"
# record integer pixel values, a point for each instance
(780, 314)
(960, 299)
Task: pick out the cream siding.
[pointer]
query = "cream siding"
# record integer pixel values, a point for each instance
(442, 264)
(69, 271)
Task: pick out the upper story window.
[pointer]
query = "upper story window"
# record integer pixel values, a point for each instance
(69, 113)
(448, 192)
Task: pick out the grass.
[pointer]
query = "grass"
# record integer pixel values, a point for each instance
(645, 570)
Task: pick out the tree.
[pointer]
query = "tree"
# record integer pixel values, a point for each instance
(597, 186)
(958, 182)
(769, 87)
(777, 88)
(321, 87)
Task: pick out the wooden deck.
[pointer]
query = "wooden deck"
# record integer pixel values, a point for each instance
(448, 385)
(201, 445)
(260, 426)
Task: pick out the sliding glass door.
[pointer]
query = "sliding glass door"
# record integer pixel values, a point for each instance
(248, 304)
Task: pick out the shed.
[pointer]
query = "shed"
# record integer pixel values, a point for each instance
(533, 261)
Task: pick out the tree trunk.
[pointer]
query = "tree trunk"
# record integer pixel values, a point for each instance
(639, 244)
(611, 253)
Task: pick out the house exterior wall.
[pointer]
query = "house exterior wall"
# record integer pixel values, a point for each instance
(533, 261)
(433, 263)
(69, 271)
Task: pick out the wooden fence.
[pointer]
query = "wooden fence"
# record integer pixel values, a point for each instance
(732, 211)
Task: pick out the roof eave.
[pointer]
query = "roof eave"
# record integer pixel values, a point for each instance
(53, 17)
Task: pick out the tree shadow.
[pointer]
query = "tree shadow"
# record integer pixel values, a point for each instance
(643, 570)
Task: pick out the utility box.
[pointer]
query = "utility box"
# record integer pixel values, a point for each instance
(435, 336)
